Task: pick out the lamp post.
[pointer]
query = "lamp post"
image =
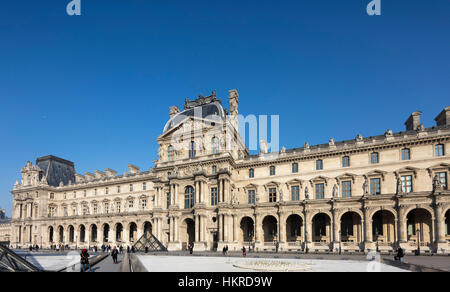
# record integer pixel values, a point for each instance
(418, 242)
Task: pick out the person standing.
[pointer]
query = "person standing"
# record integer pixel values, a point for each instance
(85, 260)
(114, 254)
(244, 251)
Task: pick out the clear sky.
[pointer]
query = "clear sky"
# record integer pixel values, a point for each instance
(96, 89)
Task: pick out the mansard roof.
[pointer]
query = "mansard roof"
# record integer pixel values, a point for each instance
(203, 107)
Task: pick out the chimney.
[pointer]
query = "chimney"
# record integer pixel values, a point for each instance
(132, 169)
(443, 119)
(413, 122)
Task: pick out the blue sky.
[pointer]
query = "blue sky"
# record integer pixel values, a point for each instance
(96, 89)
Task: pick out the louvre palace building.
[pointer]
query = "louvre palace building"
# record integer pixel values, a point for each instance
(206, 189)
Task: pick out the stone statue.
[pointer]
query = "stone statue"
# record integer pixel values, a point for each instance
(388, 133)
(399, 186)
(365, 187)
(331, 142)
(306, 145)
(335, 191)
(307, 193)
(359, 138)
(264, 147)
(436, 183)
(281, 195)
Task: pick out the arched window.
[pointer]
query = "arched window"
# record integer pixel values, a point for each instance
(192, 151)
(215, 145)
(189, 197)
(170, 153)
(406, 154)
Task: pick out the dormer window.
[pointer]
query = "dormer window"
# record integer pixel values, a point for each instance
(192, 151)
(170, 153)
(215, 145)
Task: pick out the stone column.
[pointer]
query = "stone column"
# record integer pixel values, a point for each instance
(220, 228)
(176, 229)
(401, 224)
(219, 191)
(440, 224)
(171, 237)
(227, 227)
(197, 228)
(235, 229)
(259, 229)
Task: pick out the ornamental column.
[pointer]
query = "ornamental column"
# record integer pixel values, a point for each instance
(440, 224)
(235, 229)
(401, 224)
(197, 228)
(220, 227)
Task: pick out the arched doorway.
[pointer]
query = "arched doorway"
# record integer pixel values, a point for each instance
(383, 227)
(71, 234)
(187, 232)
(294, 225)
(93, 233)
(50, 234)
(119, 232)
(419, 228)
(148, 228)
(106, 233)
(60, 234)
(351, 228)
(133, 232)
(270, 229)
(321, 225)
(82, 233)
(247, 230)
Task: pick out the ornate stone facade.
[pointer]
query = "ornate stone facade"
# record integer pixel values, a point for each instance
(205, 188)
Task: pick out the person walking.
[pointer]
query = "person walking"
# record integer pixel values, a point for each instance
(400, 255)
(114, 254)
(85, 260)
(244, 251)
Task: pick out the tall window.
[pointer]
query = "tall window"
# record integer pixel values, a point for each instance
(443, 179)
(118, 189)
(406, 183)
(144, 186)
(295, 167)
(107, 190)
(118, 207)
(439, 150)
(319, 164)
(170, 153)
(130, 205)
(106, 208)
(346, 189)
(374, 158)
(189, 197)
(406, 154)
(251, 197)
(215, 145)
(251, 173)
(295, 193)
(272, 195)
(192, 151)
(214, 197)
(346, 161)
(214, 170)
(131, 187)
(144, 204)
(320, 191)
(272, 170)
(95, 209)
(375, 186)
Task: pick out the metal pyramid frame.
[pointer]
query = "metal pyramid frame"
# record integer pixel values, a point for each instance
(150, 241)
(11, 262)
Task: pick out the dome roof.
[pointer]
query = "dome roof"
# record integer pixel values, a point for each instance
(211, 111)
